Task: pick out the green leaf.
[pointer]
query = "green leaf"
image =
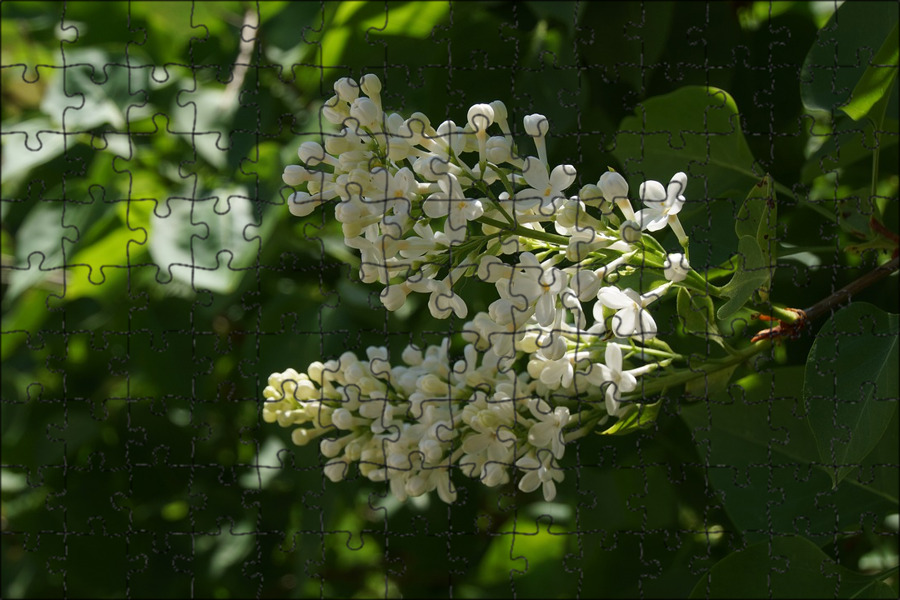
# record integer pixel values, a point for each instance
(753, 273)
(694, 129)
(204, 242)
(104, 263)
(696, 312)
(847, 144)
(876, 82)
(203, 118)
(757, 217)
(27, 145)
(710, 384)
(786, 567)
(521, 548)
(851, 384)
(763, 462)
(641, 416)
(839, 59)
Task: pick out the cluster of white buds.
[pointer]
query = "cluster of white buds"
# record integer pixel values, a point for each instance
(423, 219)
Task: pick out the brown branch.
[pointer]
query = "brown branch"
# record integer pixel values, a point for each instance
(823, 306)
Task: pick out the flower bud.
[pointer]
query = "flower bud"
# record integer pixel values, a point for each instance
(498, 149)
(342, 419)
(311, 153)
(613, 186)
(302, 204)
(336, 470)
(630, 232)
(536, 125)
(676, 267)
(346, 89)
(500, 112)
(334, 110)
(366, 112)
(370, 84)
(480, 117)
(302, 436)
(295, 175)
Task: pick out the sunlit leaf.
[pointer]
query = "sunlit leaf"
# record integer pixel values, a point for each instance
(697, 315)
(751, 275)
(840, 57)
(693, 129)
(204, 242)
(878, 79)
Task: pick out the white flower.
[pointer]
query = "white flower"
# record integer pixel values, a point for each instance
(540, 472)
(617, 380)
(452, 203)
(547, 433)
(346, 89)
(448, 141)
(371, 85)
(367, 112)
(501, 115)
(630, 320)
(537, 127)
(499, 149)
(539, 285)
(663, 205)
(393, 191)
(615, 189)
(676, 267)
(479, 118)
(443, 300)
(546, 189)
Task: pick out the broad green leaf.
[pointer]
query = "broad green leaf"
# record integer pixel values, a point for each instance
(786, 567)
(49, 230)
(763, 461)
(641, 416)
(752, 274)
(847, 144)
(840, 57)
(876, 82)
(877, 469)
(693, 129)
(757, 217)
(104, 263)
(521, 548)
(27, 145)
(203, 118)
(95, 89)
(204, 242)
(697, 315)
(851, 384)
(412, 19)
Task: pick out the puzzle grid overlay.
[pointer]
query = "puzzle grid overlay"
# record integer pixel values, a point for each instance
(166, 470)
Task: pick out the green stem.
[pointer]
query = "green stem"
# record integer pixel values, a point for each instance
(681, 377)
(519, 230)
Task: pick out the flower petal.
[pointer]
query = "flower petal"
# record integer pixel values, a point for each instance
(652, 191)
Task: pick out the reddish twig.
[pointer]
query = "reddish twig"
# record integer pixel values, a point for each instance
(820, 308)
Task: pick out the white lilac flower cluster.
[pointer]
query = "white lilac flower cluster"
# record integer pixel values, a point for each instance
(424, 219)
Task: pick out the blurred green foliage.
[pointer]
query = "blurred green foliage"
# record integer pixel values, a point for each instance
(153, 278)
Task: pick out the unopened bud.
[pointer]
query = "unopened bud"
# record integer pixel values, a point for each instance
(630, 232)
